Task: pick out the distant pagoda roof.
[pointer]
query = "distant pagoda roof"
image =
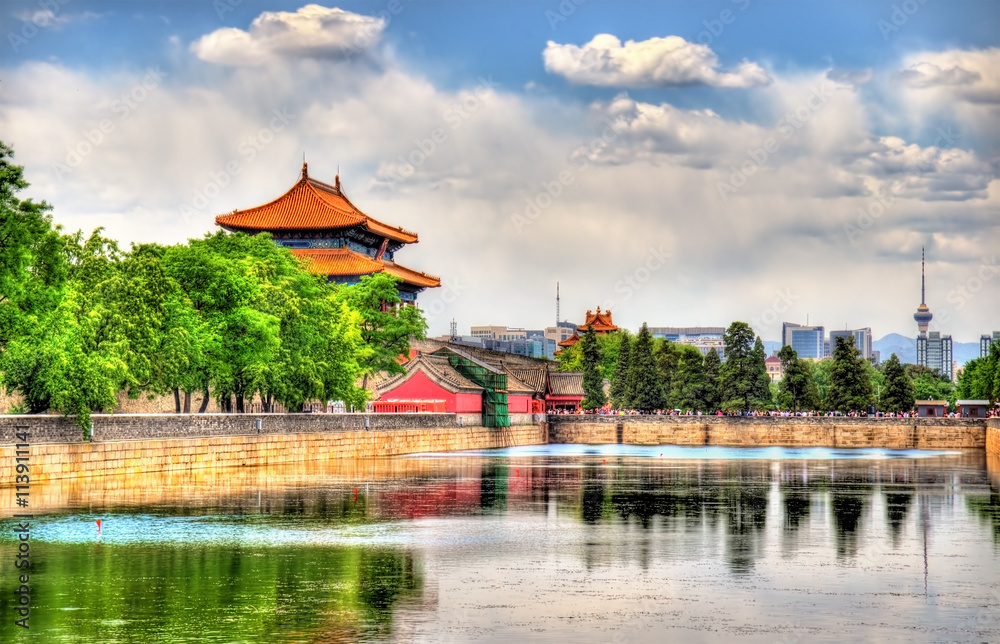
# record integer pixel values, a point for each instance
(310, 205)
(600, 321)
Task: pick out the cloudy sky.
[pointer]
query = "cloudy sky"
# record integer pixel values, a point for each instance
(684, 163)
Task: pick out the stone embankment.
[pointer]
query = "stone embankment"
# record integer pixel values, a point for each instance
(818, 431)
(137, 443)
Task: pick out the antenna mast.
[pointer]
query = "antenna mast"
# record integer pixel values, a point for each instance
(923, 299)
(557, 303)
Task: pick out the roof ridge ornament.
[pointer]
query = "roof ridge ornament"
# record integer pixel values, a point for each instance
(305, 168)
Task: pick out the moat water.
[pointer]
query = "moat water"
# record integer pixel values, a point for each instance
(560, 543)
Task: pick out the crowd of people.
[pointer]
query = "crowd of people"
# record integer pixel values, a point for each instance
(608, 411)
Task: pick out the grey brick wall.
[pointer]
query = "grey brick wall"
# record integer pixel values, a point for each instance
(118, 427)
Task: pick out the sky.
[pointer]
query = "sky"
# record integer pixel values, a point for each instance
(682, 163)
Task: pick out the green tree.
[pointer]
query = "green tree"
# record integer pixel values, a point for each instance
(738, 375)
(761, 380)
(619, 379)
(667, 355)
(797, 390)
(850, 386)
(898, 393)
(34, 255)
(593, 381)
(980, 380)
(645, 388)
(386, 326)
(689, 388)
(821, 371)
(712, 367)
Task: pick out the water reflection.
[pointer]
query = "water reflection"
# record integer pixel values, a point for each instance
(338, 551)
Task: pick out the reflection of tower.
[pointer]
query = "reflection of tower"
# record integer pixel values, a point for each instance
(923, 316)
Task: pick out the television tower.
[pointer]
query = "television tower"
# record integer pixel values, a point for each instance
(923, 316)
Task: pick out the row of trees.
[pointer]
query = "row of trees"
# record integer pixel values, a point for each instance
(82, 320)
(648, 374)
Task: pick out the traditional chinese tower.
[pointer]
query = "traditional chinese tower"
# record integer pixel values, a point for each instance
(320, 225)
(600, 322)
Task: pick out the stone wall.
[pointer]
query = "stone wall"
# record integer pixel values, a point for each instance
(894, 433)
(117, 427)
(54, 460)
(993, 436)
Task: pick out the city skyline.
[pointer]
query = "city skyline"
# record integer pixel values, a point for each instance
(677, 164)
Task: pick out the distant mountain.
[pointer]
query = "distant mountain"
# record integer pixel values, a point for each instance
(906, 349)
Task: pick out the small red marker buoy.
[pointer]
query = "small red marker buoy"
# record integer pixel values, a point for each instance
(98, 526)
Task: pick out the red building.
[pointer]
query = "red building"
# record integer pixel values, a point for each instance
(319, 224)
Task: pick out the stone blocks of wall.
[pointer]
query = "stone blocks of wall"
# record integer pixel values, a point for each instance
(993, 436)
(117, 427)
(54, 461)
(892, 433)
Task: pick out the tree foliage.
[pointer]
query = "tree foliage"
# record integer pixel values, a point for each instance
(797, 389)
(619, 378)
(981, 378)
(850, 384)
(644, 390)
(82, 321)
(898, 394)
(741, 386)
(712, 367)
(593, 381)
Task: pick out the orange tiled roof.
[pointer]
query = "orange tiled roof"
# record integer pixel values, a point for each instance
(571, 340)
(601, 322)
(411, 276)
(343, 261)
(337, 261)
(310, 205)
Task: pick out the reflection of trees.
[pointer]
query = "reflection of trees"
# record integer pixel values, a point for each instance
(745, 506)
(847, 510)
(897, 506)
(593, 495)
(987, 509)
(493, 487)
(165, 592)
(384, 577)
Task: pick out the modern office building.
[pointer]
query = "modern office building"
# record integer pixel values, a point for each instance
(502, 333)
(562, 331)
(703, 338)
(808, 341)
(935, 350)
(985, 341)
(862, 339)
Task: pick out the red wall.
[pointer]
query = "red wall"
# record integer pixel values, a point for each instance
(519, 404)
(420, 387)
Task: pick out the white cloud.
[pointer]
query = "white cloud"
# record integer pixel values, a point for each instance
(970, 76)
(654, 185)
(657, 62)
(928, 173)
(311, 32)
